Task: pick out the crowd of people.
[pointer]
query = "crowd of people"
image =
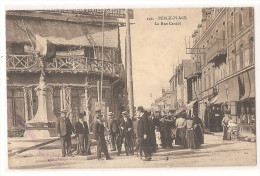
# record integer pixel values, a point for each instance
(141, 135)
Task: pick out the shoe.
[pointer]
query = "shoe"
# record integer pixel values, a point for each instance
(147, 159)
(109, 158)
(100, 159)
(63, 155)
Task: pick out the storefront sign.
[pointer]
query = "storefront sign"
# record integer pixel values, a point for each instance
(116, 13)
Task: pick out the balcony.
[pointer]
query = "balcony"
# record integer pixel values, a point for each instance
(75, 64)
(217, 49)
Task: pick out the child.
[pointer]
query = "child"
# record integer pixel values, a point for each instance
(158, 138)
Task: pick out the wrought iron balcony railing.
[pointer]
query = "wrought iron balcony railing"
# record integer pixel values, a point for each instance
(217, 48)
(62, 64)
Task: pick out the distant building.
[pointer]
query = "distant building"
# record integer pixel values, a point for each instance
(178, 85)
(163, 103)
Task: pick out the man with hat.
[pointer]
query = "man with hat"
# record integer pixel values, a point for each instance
(82, 132)
(126, 127)
(143, 133)
(98, 131)
(113, 129)
(65, 129)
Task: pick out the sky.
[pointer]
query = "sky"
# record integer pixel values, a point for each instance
(156, 49)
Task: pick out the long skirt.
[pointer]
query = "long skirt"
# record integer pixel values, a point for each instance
(198, 135)
(190, 138)
(181, 137)
(226, 136)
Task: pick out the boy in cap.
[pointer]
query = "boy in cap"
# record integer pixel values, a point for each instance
(82, 132)
(98, 131)
(65, 129)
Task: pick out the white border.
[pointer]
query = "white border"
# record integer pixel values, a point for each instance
(48, 4)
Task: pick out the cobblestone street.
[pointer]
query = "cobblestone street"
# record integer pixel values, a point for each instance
(214, 152)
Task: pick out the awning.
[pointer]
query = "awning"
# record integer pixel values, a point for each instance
(222, 93)
(233, 89)
(61, 32)
(244, 84)
(190, 105)
(252, 83)
(248, 84)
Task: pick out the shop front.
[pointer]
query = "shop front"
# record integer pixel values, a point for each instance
(246, 105)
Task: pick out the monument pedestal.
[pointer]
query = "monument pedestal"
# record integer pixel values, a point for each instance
(42, 125)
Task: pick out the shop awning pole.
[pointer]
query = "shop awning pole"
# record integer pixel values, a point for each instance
(130, 92)
(102, 51)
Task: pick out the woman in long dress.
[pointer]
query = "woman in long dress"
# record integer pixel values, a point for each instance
(181, 131)
(198, 131)
(225, 122)
(190, 137)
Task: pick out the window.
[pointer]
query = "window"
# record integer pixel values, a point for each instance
(241, 56)
(251, 50)
(56, 100)
(251, 13)
(241, 19)
(234, 68)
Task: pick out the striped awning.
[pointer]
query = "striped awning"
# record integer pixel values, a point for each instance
(233, 89)
(60, 32)
(247, 84)
(222, 93)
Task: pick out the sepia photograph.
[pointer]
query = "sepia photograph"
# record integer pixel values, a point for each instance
(130, 87)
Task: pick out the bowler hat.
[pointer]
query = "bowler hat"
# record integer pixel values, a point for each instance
(81, 115)
(140, 108)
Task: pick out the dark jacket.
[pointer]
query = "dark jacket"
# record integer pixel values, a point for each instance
(64, 127)
(135, 126)
(143, 127)
(126, 124)
(99, 131)
(79, 129)
(114, 126)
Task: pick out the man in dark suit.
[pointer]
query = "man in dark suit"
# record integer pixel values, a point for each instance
(65, 129)
(143, 132)
(113, 129)
(82, 132)
(126, 132)
(98, 131)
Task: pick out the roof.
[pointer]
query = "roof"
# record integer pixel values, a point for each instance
(60, 32)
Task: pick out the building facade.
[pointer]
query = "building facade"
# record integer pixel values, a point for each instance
(73, 75)
(223, 64)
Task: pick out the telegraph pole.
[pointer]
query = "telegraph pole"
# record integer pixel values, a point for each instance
(130, 92)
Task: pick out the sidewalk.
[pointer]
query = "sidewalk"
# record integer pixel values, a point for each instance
(243, 137)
